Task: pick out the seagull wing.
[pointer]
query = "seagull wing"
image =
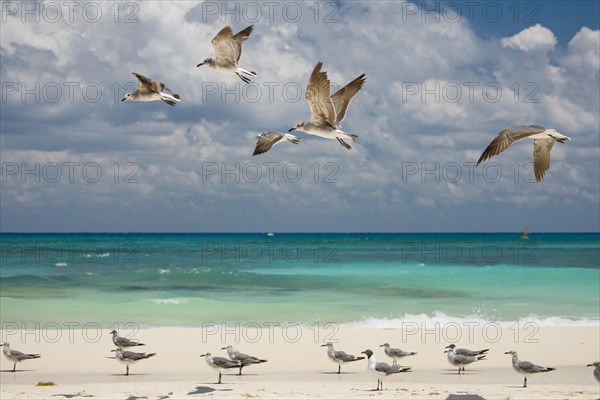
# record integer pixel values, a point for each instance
(225, 47)
(507, 137)
(318, 95)
(341, 98)
(265, 142)
(240, 38)
(145, 84)
(541, 156)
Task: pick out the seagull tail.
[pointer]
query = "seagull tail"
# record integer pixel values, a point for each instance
(358, 358)
(481, 357)
(246, 72)
(352, 136)
(483, 351)
(178, 97)
(549, 369)
(150, 355)
(34, 355)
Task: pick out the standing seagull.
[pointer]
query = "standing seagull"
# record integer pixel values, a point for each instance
(596, 370)
(466, 352)
(543, 141)
(129, 357)
(328, 111)
(526, 367)
(339, 357)
(460, 360)
(382, 369)
(266, 140)
(243, 359)
(151, 90)
(395, 354)
(220, 363)
(16, 356)
(228, 50)
(120, 341)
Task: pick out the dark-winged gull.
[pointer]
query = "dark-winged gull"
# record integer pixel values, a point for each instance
(220, 364)
(543, 141)
(129, 357)
(15, 356)
(120, 341)
(228, 50)
(243, 359)
(382, 369)
(460, 360)
(466, 352)
(339, 357)
(395, 354)
(266, 140)
(596, 370)
(150, 90)
(526, 367)
(328, 111)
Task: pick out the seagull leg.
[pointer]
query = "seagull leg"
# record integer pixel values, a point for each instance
(339, 368)
(127, 371)
(346, 145)
(240, 371)
(525, 382)
(219, 378)
(245, 79)
(394, 362)
(14, 367)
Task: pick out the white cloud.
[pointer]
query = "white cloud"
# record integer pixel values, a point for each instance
(535, 38)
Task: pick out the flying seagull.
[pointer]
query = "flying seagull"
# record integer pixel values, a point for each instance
(460, 360)
(339, 357)
(526, 367)
(543, 141)
(266, 140)
(120, 341)
(228, 50)
(395, 354)
(220, 363)
(16, 356)
(382, 369)
(243, 359)
(150, 90)
(466, 352)
(328, 111)
(129, 357)
(596, 370)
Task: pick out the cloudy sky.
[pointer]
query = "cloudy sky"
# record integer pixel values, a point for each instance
(443, 78)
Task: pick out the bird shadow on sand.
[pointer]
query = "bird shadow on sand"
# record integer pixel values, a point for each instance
(207, 389)
(19, 370)
(72, 395)
(125, 376)
(464, 397)
(335, 373)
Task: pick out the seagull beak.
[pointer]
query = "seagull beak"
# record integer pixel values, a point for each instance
(202, 355)
(223, 348)
(382, 345)
(323, 345)
(291, 129)
(507, 352)
(124, 98)
(199, 65)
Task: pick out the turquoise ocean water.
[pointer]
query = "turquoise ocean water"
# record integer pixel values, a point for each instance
(375, 280)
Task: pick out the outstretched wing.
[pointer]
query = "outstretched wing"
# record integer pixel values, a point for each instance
(541, 156)
(507, 137)
(240, 38)
(318, 95)
(341, 99)
(225, 46)
(264, 144)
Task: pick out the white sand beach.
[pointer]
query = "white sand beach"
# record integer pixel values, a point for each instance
(80, 364)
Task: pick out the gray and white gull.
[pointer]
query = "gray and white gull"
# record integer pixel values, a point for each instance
(327, 111)
(266, 140)
(15, 356)
(543, 141)
(339, 357)
(395, 354)
(382, 369)
(150, 90)
(242, 358)
(228, 50)
(525, 367)
(220, 364)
